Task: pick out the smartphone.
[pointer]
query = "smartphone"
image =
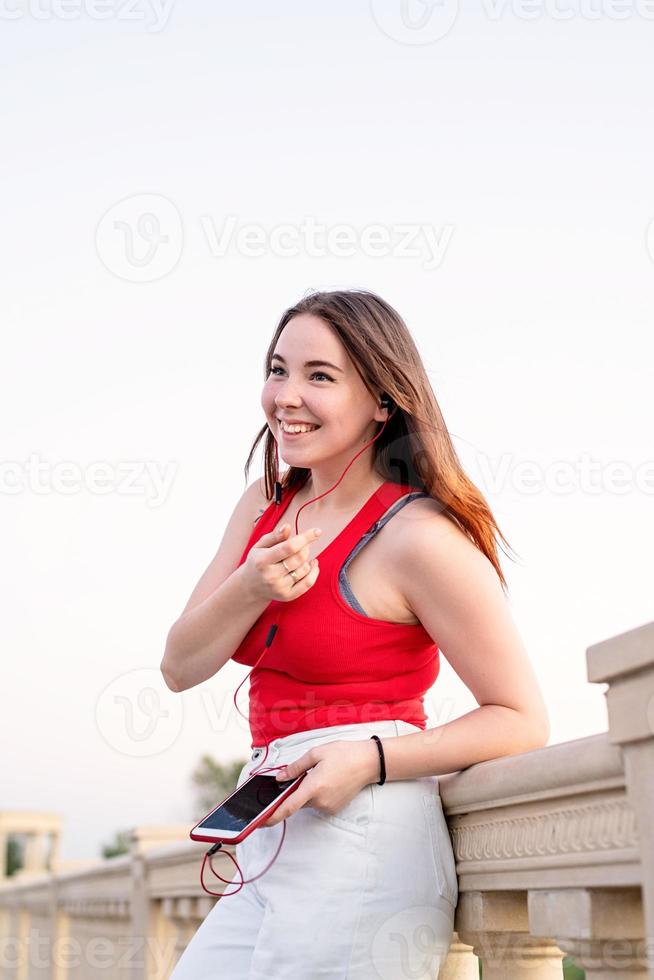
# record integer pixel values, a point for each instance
(245, 809)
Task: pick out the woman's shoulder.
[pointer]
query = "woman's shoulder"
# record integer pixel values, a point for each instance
(426, 537)
(258, 499)
(424, 513)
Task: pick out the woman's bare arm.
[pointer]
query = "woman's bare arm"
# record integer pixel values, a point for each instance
(205, 637)
(220, 610)
(453, 589)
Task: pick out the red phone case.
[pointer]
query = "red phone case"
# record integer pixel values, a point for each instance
(255, 823)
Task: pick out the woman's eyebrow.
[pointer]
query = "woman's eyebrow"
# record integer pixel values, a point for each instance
(310, 363)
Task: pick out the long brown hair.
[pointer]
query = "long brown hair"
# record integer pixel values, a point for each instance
(415, 447)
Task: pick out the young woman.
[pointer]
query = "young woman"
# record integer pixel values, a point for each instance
(394, 560)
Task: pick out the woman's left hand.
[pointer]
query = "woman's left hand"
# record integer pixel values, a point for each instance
(339, 770)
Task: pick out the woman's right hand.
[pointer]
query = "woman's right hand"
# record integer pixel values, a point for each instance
(267, 578)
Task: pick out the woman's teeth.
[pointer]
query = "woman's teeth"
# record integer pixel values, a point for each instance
(295, 429)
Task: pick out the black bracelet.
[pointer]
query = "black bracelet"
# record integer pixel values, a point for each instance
(382, 761)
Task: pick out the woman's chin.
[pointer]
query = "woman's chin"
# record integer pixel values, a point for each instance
(297, 459)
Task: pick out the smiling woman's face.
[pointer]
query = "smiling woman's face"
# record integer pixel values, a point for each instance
(331, 396)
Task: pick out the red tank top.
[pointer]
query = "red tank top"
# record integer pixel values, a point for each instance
(329, 664)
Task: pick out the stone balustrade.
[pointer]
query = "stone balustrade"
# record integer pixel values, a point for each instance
(554, 852)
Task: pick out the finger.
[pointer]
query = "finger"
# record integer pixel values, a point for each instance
(297, 575)
(311, 575)
(294, 769)
(272, 537)
(305, 580)
(277, 817)
(295, 802)
(302, 570)
(296, 543)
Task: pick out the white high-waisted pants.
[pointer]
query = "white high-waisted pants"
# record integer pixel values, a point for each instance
(365, 894)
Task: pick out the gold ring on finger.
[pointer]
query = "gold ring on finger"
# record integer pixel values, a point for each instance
(290, 571)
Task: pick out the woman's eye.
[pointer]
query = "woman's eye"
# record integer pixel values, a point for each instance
(315, 373)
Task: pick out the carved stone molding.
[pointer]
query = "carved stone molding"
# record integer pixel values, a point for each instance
(109, 909)
(599, 825)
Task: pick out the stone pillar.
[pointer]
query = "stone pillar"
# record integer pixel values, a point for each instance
(461, 962)
(626, 664)
(183, 915)
(32, 855)
(602, 928)
(54, 850)
(496, 925)
(139, 914)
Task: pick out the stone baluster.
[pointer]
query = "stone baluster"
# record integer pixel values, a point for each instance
(601, 928)
(32, 855)
(496, 925)
(139, 911)
(461, 962)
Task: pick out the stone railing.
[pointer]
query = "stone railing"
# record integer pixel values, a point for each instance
(554, 851)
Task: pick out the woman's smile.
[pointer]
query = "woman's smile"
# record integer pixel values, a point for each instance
(292, 430)
(296, 435)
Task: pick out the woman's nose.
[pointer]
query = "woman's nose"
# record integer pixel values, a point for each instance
(289, 395)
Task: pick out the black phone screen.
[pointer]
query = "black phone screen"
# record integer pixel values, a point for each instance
(249, 800)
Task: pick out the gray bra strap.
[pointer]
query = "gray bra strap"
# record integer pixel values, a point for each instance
(343, 582)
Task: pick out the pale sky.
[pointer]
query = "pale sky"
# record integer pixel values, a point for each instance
(171, 183)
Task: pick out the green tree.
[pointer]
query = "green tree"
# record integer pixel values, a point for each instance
(14, 855)
(214, 781)
(119, 846)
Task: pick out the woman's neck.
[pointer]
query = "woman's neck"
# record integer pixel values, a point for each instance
(348, 496)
